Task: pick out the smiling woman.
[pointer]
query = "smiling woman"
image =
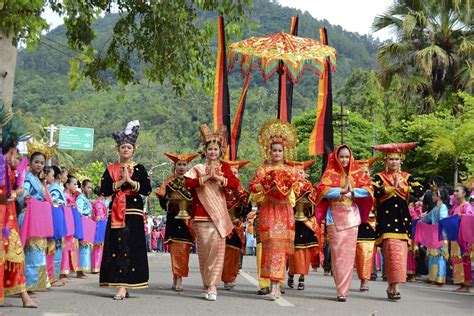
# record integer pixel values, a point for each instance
(344, 202)
(274, 188)
(125, 263)
(211, 221)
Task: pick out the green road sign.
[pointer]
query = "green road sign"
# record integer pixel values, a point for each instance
(76, 138)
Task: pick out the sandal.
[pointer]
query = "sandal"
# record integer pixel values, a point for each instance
(341, 298)
(291, 281)
(364, 288)
(391, 296)
(119, 297)
(271, 297)
(300, 286)
(263, 291)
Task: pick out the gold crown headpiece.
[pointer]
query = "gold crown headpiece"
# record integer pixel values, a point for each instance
(219, 137)
(276, 131)
(40, 146)
(434, 187)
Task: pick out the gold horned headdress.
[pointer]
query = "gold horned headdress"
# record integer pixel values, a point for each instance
(276, 131)
(218, 137)
(40, 146)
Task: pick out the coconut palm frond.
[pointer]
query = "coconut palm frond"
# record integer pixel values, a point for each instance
(428, 55)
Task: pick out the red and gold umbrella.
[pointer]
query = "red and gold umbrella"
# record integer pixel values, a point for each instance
(273, 52)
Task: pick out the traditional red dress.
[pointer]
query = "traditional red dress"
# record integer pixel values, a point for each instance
(275, 187)
(14, 280)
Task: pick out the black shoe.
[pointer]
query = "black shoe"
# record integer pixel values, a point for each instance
(300, 286)
(282, 290)
(263, 291)
(291, 280)
(341, 298)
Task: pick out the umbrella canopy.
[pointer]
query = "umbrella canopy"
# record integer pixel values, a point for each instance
(271, 53)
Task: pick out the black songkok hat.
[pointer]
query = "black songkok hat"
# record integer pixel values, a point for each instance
(129, 135)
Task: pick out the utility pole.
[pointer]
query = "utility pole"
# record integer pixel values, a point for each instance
(339, 122)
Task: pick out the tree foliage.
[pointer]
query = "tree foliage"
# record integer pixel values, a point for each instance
(433, 51)
(170, 39)
(444, 140)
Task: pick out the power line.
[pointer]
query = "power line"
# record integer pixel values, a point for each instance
(56, 42)
(56, 49)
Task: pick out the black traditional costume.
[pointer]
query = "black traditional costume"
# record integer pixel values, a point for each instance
(125, 261)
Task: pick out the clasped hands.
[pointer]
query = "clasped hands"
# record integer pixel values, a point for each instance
(347, 190)
(126, 178)
(212, 176)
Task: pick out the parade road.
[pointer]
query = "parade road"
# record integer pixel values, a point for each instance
(85, 297)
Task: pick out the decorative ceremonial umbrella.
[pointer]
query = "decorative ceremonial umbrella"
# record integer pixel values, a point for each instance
(281, 52)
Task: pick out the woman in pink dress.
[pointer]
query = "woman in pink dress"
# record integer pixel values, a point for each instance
(99, 214)
(154, 238)
(461, 251)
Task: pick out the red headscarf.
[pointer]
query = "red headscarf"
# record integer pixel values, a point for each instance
(335, 177)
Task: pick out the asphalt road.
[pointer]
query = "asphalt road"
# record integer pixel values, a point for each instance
(85, 297)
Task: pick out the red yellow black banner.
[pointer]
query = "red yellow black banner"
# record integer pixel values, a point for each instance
(237, 126)
(285, 86)
(321, 140)
(221, 87)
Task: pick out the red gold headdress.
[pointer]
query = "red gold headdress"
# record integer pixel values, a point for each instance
(301, 164)
(237, 164)
(184, 157)
(367, 162)
(207, 135)
(400, 149)
(277, 132)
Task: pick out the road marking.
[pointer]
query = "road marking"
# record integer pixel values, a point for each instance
(60, 314)
(281, 301)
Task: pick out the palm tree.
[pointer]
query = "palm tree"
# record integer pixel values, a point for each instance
(433, 50)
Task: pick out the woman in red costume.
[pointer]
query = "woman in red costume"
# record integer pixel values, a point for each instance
(210, 219)
(14, 280)
(238, 206)
(346, 199)
(275, 187)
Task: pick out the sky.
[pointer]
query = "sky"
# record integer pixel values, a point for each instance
(351, 15)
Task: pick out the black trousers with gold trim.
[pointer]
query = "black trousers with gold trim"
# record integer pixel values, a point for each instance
(125, 261)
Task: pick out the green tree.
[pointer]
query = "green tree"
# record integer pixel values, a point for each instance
(433, 50)
(445, 140)
(170, 39)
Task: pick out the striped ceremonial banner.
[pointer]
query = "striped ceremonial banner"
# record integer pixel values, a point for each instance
(237, 126)
(221, 87)
(321, 140)
(285, 86)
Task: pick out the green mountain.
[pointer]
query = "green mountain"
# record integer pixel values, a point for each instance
(169, 122)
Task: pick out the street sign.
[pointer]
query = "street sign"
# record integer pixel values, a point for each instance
(76, 138)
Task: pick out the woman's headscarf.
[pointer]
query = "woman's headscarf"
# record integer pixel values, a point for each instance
(335, 177)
